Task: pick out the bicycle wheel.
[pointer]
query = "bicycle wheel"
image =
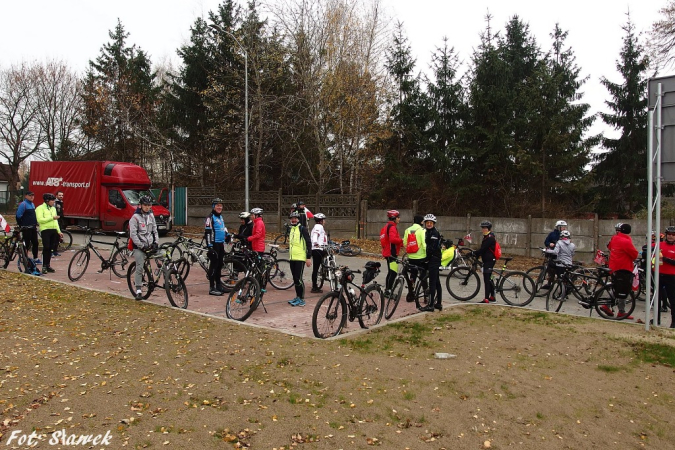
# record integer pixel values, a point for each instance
(280, 275)
(147, 281)
(322, 276)
(243, 299)
(175, 288)
(463, 283)
(78, 264)
(329, 316)
(233, 270)
(119, 261)
(394, 298)
(350, 250)
(282, 242)
(4, 254)
(516, 289)
(176, 253)
(584, 283)
(66, 242)
(538, 275)
(556, 296)
(421, 296)
(607, 305)
(25, 266)
(372, 306)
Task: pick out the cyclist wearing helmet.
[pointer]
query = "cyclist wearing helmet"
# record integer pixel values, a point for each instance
(563, 250)
(143, 234)
(667, 270)
(25, 217)
(319, 240)
(303, 212)
(554, 235)
(245, 229)
(215, 235)
(434, 255)
(621, 257)
(62, 224)
(47, 217)
(487, 253)
(391, 244)
(300, 251)
(257, 237)
(419, 257)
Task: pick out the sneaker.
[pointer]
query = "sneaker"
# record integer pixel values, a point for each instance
(45, 271)
(37, 261)
(316, 290)
(49, 269)
(585, 305)
(623, 315)
(294, 301)
(387, 293)
(439, 307)
(492, 299)
(485, 300)
(606, 310)
(429, 308)
(215, 292)
(410, 298)
(138, 295)
(300, 302)
(56, 254)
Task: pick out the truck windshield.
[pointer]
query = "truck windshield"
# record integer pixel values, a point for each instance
(134, 196)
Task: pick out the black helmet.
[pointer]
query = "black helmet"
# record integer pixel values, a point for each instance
(486, 224)
(215, 201)
(300, 203)
(670, 230)
(625, 228)
(47, 197)
(294, 214)
(145, 200)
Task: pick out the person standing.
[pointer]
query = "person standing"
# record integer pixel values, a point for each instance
(303, 212)
(215, 235)
(391, 246)
(487, 253)
(245, 229)
(299, 248)
(622, 254)
(414, 241)
(143, 234)
(47, 217)
(433, 241)
(25, 218)
(4, 226)
(549, 244)
(667, 271)
(257, 237)
(319, 240)
(62, 223)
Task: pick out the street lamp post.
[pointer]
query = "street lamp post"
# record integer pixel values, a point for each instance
(246, 189)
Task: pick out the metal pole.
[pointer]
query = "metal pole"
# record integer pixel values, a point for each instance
(657, 248)
(650, 209)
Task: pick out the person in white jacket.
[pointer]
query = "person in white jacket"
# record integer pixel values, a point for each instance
(564, 249)
(319, 242)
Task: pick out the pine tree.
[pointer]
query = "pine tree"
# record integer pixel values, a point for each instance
(621, 171)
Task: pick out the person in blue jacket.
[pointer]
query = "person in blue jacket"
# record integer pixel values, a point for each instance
(26, 218)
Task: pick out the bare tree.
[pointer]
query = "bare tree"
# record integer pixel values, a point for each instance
(20, 133)
(662, 42)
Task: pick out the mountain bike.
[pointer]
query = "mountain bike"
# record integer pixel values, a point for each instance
(540, 273)
(327, 270)
(65, 242)
(117, 260)
(414, 278)
(364, 303)
(516, 288)
(596, 291)
(12, 247)
(346, 248)
(166, 275)
(282, 240)
(248, 292)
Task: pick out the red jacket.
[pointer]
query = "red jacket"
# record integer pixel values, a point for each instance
(668, 252)
(622, 253)
(395, 241)
(257, 239)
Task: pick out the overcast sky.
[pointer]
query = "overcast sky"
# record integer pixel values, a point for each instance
(75, 30)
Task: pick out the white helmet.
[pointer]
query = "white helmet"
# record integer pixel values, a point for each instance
(565, 234)
(257, 211)
(561, 223)
(244, 215)
(319, 216)
(430, 217)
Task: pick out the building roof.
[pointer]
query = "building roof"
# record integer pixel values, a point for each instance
(5, 172)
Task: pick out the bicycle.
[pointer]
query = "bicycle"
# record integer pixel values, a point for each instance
(540, 273)
(116, 261)
(64, 243)
(346, 248)
(333, 309)
(516, 288)
(281, 241)
(596, 291)
(13, 246)
(327, 270)
(414, 278)
(173, 284)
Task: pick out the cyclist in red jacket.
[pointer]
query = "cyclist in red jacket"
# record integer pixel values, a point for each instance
(667, 277)
(391, 244)
(257, 239)
(622, 254)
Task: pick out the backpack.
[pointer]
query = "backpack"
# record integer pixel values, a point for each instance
(498, 250)
(412, 246)
(384, 235)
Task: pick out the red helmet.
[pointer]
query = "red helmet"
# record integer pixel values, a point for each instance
(392, 214)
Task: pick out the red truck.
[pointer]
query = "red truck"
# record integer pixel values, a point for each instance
(98, 194)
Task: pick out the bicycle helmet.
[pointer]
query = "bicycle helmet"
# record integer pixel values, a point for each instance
(244, 215)
(301, 203)
(294, 214)
(560, 223)
(670, 230)
(565, 234)
(145, 200)
(625, 228)
(319, 216)
(430, 217)
(294, 205)
(47, 197)
(617, 227)
(257, 211)
(486, 224)
(216, 201)
(393, 214)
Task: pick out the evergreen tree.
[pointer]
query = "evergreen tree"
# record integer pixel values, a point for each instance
(621, 171)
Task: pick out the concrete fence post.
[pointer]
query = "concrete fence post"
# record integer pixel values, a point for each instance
(596, 233)
(279, 209)
(528, 239)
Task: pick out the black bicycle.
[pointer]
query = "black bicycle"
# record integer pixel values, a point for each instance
(333, 309)
(346, 248)
(415, 278)
(282, 240)
(11, 247)
(117, 260)
(166, 275)
(540, 274)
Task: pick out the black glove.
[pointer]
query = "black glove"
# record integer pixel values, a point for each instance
(228, 238)
(154, 246)
(669, 261)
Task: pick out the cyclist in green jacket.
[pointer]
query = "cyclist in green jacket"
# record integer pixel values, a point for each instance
(414, 242)
(300, 251)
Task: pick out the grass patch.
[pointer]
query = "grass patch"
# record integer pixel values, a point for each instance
(412, 333)
(361, 345)
(608, 369)
(447, 318)
(655, 353)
